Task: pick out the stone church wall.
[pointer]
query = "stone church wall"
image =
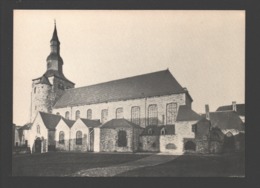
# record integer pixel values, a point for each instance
(143, 103)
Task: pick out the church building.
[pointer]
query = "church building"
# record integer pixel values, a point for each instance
(149, 112)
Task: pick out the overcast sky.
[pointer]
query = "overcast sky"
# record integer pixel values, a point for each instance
(204, 50)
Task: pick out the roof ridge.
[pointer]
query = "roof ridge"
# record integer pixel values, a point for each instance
(123, 79)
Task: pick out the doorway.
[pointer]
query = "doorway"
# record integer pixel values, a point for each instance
(38, 145)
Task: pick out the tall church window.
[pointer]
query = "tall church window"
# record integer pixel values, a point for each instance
(152, 114)
(104, 114)
(67, 115)
(77, 115)
(38, 129)
(78, 138)
(171, 111)
(61, 137)
(89, 114)
(122, 140)
(135, 115)
(119, 113)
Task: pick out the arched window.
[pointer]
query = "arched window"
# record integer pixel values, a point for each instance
(122, 140)
(171, 111)
(119, 113)
(78, 138)
(67, 115)
(77, 115)
(135, 115)
(104, 114)
(89, 114)
(61, 137)
(152, 114)
(163, 131)
(38, 129)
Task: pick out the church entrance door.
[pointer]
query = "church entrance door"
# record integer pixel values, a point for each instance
(38, 145)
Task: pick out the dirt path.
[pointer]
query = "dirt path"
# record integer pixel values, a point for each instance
(118, 169)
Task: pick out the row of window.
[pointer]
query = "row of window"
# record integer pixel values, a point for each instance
(163, 130)
(171, 111)
(78, 138)
(122, 139)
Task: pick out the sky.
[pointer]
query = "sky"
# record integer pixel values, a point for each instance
(204, 50)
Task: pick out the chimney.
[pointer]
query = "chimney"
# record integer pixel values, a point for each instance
(207, 111)
(234, 106)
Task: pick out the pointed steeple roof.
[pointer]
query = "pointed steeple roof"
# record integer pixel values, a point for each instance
(55, 34)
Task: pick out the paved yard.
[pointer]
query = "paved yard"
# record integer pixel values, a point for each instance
(130, 165)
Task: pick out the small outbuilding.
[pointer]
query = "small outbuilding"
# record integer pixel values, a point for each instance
(119, 135)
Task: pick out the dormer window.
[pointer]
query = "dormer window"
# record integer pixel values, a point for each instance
(163, 131)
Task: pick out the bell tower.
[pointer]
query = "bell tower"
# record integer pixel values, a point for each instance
(48, 88)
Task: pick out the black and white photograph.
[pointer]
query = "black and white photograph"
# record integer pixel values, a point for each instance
(128, 93)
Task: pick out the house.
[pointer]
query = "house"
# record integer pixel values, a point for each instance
(187, 134)
(232, 127)
(119, 135)
(238, 108)
(82, 134)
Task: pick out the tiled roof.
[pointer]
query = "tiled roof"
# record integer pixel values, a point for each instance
(240, 109)
(49, 73)
(68, 122)
(114, 123)
(156, 130)
(147, 85)
(27, 126)
(91, 123)
(185, 113)
(226, 120)
(50, 120)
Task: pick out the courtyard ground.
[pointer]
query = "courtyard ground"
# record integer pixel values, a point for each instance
(129, 165)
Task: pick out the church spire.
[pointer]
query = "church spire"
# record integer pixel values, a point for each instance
(55, 35)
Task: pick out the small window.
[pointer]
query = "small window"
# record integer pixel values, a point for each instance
(78, 138)
(89, 114)
(57, 113)
(61, 137)
(104, 114)
(194, 128)
(119, 113)
(154, 145)
(163, 131)
(77, 115)
(67, 115)
(38, 129)
(122, 140)
(35, 90)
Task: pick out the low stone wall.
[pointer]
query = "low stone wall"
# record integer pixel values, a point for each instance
(79, 147)
(171, 144)
(63, 147)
